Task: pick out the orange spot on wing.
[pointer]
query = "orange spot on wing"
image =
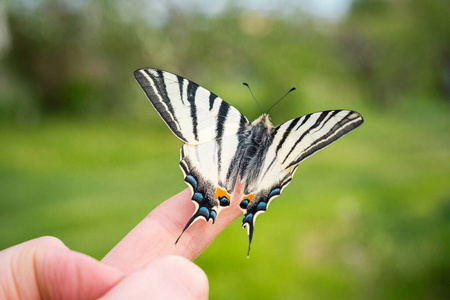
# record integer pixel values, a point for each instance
(249, 197)
(221, 193)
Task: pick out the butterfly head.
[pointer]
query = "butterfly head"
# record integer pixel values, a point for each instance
(265, 121)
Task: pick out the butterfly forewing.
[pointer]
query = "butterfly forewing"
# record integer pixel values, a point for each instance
(194, 114)
(311, 133)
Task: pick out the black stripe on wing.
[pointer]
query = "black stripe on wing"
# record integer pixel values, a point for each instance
(212, 99)
(286, 133)
(191, 90)
(223, 112)
(180, 86)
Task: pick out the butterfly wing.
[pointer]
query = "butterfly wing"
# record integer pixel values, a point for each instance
(194, 114)
(211, 130)
(291, 143)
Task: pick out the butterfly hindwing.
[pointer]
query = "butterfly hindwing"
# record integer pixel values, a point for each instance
(206, 169)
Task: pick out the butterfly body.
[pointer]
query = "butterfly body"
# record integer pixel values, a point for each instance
(224, 154)
(242, 167)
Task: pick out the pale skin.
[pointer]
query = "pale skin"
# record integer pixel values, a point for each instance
(144, 265)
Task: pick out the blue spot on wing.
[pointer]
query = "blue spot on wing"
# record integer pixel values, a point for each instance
(274, 192)
(197, 197)
(248, 219)
(192, 181)
(213, 215)
(244, 204)
(261, 206)
(203, 211)
(224, 201)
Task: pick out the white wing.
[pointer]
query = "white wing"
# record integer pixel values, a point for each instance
(290, 143)
(211, 129)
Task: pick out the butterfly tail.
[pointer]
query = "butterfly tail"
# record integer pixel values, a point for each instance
(250, 224)
(188, 224)
(202, 212)
(258, 205)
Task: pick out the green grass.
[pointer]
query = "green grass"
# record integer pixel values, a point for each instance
(367, 218)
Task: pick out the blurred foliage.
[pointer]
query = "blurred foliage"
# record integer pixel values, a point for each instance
(79, 58)
(81, 156)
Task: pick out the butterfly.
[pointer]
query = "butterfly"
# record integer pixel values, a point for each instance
(224, 152)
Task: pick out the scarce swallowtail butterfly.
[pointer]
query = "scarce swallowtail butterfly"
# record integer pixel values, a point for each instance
(224, 152)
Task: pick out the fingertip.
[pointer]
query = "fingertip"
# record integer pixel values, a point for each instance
(186, 275)
(46, 242)
(169, 277)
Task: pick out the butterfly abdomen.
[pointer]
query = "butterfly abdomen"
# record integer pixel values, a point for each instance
(253, 150)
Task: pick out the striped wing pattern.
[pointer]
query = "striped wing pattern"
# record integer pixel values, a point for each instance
(290, 143)
(297, 139)
(194, 114)
(222, 147)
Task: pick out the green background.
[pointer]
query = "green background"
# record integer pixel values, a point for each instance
(84, 157)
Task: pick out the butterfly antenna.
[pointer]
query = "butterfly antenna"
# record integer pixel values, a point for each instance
(293, 89)
(246, 84)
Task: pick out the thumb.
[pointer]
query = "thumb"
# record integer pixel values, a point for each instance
(44, 268)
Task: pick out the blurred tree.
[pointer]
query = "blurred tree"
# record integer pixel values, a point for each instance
(79, 56)
(399, 49)
(42, 50)
(72, 58)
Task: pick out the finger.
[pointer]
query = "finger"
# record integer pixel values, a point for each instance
(170, 277)
(46, 268)
(154, 236)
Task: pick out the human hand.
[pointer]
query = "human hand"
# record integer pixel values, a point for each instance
(143, 265)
